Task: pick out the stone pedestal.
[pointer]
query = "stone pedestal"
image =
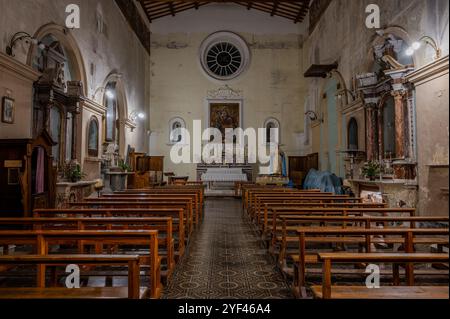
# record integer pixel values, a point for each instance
(73, 192)
(396, 193)
(117, 181)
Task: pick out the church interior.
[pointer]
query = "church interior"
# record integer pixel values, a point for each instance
(120, 180)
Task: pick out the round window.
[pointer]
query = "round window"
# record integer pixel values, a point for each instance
(224, 55)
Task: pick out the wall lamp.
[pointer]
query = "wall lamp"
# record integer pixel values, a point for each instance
(21, 35)
(313, 116)
(110, 94)
(416, 45)
(136, 115)
(342, 92)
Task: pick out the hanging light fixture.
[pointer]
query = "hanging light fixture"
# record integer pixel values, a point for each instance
(417, 44)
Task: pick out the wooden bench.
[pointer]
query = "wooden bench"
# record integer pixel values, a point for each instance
(135, 206)
(133, 291)
(41, 239)
(162, 224)
(188, 200)
(256, 196)
(248, 192)
(144, 196)
(290, 224)
(268, 205)
(329, 291)
(177, 215)
(256, 206)
(357, 235)
(273, 216)
(263, 219)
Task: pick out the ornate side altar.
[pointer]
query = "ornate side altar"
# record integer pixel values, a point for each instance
(73, 192)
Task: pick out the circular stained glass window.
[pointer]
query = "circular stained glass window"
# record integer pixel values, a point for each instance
(224, 55)
(224, 59)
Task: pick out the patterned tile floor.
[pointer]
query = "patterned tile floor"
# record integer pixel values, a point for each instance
(226, 260)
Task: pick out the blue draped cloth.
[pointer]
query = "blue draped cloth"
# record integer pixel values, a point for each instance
(323, 180)
(283, 165)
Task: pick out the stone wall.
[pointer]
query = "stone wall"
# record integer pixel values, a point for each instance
(341, 36)
(271, 87)
(114, 50)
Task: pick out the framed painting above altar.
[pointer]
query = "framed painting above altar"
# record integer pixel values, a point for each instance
(224, 115)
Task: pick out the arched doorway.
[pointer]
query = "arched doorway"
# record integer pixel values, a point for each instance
(116, 117)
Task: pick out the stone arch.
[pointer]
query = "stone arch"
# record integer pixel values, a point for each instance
(377, 39)
(122, 106)
(69, 43)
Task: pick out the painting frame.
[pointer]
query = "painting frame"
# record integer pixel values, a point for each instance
(8, 110)
(237, 104)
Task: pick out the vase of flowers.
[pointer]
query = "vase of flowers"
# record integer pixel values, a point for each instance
(371, 170)
(124, 167)
(75, 174)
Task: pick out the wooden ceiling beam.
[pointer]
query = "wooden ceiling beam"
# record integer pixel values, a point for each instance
(274, 10)
(295, 10)
(302, 12)
(172, 11)
(269, 9)
(176, 10)
(291, 17)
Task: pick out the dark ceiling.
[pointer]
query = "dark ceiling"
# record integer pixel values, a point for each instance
(292, 10)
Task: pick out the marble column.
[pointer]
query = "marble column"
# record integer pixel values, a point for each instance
(399, 124)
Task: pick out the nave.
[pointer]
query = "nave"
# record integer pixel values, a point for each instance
(226, 259)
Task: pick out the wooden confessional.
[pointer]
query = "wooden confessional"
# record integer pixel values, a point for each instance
(28, 167)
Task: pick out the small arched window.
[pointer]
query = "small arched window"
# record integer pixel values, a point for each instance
(352, 134)
(93, 137)
(111, 113)
(175, 130)
(272, 127)
(388, 121)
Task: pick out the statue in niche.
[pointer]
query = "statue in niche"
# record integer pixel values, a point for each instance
(59, 76)
(111, 155)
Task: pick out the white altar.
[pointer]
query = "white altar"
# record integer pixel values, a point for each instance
(224, 175)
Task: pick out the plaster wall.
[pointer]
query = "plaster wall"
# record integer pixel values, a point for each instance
(116, 49)
(271, 87)
(432, 145)
(341, 36)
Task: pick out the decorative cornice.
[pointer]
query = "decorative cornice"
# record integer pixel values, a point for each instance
(353, 106)
(225, 93)
(94, 107)
(429, 71)
(11, 65)
(129, 123)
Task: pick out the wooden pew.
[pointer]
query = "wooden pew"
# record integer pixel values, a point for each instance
(260, 200)
(253, 197)
(329, 291)
(248, 192)
(262, 218)
(177, 215)
(191, 187)
(162, 224)
(198, 211)
(291, 223)
(356, 235)
(41, 239)
(138, 205)
(133, 291)
(274, 219)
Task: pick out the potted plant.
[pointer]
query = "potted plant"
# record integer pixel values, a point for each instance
(124, 166)
(371, 170)
(75, 174)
